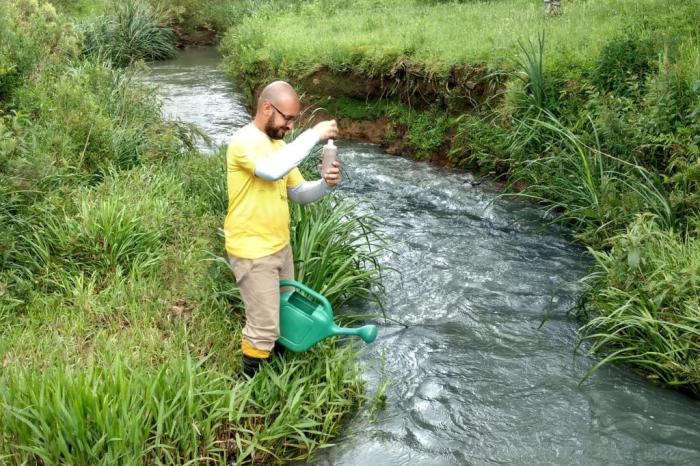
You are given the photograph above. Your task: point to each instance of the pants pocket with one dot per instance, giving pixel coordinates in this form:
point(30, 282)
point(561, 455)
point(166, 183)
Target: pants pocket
point(240, 267)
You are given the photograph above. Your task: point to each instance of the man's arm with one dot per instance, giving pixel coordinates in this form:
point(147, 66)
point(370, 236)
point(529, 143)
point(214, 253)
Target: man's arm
point(308, 191)
point(303, 191)
point(291, 155)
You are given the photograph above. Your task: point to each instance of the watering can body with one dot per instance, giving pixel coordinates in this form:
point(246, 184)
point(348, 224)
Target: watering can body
point(306, 319)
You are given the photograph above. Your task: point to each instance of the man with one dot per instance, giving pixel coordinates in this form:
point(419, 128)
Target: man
point(261, 176)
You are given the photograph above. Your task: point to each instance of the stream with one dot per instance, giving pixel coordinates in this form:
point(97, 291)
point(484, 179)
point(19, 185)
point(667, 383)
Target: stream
point(473, 377)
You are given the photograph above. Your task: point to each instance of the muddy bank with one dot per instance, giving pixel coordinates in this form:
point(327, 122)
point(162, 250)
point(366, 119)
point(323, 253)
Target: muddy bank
point(462, 89)
point(200, 37)
point(390, 135)
point(392, 109)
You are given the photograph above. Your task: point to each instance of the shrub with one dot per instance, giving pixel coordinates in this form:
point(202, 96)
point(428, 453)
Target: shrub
point(667, 121)
point(480, 143)
point(624, 60)
point(592, 191)
point(124, 128)
point(29, 33)
point(426, 130)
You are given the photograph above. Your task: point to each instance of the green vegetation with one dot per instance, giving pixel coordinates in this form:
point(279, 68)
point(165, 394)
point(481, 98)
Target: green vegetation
point(355, 109)
point(425, 131)
point(80, 8)
point(190, 16)
point(373, 37)
point(336, 250)
point(119, 321)
point(179, 412)
point(649, 311)
point(192, 21)
point(131, 31)
point(594, 113)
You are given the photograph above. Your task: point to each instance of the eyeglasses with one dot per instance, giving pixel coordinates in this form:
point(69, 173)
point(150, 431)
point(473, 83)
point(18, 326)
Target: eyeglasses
point(288, 118)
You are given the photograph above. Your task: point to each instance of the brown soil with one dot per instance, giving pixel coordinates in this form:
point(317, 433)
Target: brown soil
point(464, 88)
point(198, 38)
point(390, 136)
point(376, 131)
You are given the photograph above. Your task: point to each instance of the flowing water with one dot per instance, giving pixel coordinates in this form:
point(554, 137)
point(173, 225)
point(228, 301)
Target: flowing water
point(473, 377)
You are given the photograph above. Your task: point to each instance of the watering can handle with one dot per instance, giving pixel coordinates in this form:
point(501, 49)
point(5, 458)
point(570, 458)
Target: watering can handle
point(306, 289)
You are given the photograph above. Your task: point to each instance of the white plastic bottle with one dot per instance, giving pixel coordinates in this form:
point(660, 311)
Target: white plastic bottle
point(330, 152)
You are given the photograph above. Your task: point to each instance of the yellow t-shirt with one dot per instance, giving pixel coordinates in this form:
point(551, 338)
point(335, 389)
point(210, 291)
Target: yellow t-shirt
point(257, 221)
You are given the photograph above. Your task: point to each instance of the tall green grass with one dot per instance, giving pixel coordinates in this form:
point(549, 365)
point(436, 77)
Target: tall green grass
point(624, 203)
point(179, 413)
point(336, 250)
point(104, 237)
point(58, 152)
point(129, 31)
point(532, 67)
point(157, 341)
point(642, 303)
point(595, 193)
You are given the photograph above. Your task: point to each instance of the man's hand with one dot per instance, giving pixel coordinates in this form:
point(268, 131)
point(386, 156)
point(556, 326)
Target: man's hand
point(332, 175)
point(327, 129)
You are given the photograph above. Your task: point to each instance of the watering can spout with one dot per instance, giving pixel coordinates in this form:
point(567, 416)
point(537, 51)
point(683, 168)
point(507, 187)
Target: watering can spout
point(368, 332)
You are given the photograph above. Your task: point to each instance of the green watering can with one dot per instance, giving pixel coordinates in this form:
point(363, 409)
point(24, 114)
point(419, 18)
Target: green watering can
point(303, 323)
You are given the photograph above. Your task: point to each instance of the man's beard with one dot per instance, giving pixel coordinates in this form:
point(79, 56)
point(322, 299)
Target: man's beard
point(272, 132)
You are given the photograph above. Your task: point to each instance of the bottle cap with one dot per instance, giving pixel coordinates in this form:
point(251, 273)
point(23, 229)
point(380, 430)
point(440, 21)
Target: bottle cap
point(330, 143)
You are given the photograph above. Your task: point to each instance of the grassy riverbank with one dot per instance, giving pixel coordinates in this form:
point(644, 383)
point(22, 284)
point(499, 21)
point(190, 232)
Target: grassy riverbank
point(594, 113)
point(119, 321)
point(194, 22)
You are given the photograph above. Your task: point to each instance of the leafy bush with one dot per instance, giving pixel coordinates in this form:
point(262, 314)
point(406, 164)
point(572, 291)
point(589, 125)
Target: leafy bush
point(193, 15)
point(124, 128)
point(667, 120)
point(30, 32)
point(624, 60)
point(480, 144)
point(425, 130)
point(656, 126)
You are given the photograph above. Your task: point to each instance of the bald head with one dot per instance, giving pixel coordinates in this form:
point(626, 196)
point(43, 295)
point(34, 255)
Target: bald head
point(278, 109)
point(278, 92)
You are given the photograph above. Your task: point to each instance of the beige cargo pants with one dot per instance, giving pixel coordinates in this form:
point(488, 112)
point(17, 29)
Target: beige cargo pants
point(258, 280)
